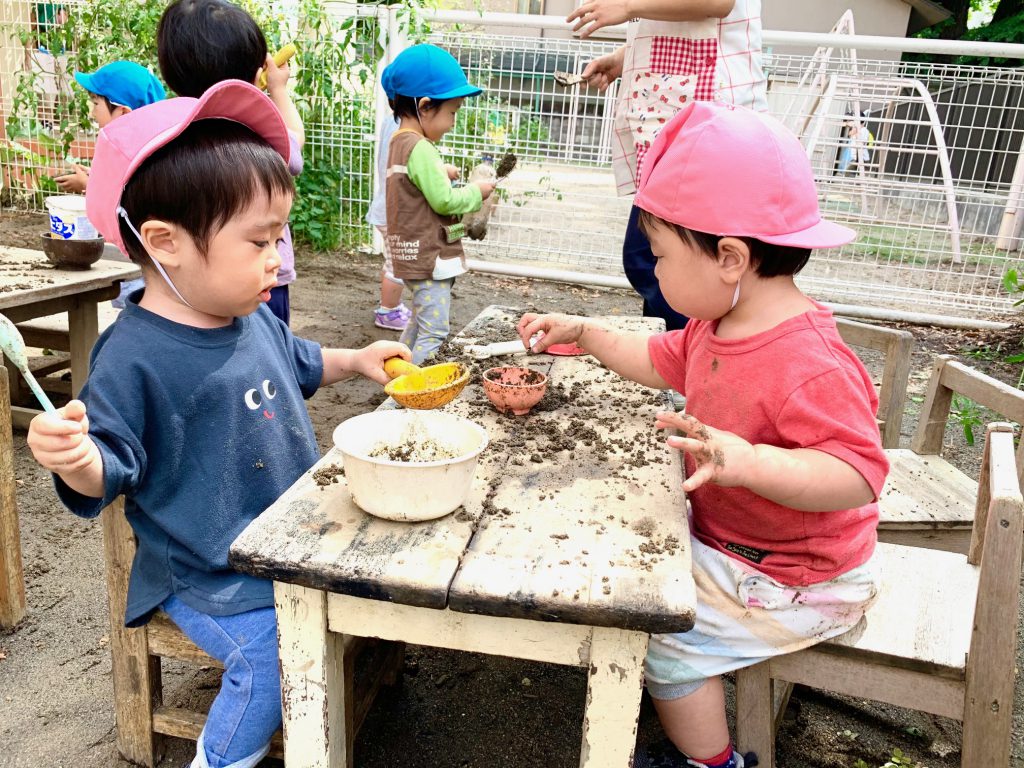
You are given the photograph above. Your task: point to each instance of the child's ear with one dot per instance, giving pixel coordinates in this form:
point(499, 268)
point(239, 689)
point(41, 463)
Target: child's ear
point(119, 111)
point(733, 258)
point(424, 104)
point(163, 242)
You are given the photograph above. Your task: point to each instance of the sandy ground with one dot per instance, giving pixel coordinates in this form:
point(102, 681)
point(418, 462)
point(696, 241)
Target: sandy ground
point(451, 710)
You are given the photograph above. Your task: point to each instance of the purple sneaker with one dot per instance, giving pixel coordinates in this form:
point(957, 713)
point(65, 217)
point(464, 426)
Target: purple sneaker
point(392, 320)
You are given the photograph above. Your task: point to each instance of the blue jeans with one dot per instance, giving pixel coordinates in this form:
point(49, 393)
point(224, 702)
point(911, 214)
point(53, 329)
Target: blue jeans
point(638, 263)
point(247, 710)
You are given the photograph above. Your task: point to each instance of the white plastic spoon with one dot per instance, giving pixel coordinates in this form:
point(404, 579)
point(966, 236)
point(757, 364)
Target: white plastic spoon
point(14, 347)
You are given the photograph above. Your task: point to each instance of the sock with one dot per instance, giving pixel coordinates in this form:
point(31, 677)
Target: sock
point(727, 758)
point(382, 310)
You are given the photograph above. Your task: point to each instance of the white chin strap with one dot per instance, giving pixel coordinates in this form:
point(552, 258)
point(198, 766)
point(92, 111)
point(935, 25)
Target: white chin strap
point(159, 267)
point(735, 296)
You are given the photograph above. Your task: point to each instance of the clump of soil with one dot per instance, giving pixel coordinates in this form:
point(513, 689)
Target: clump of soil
point(507, 165)
point(329, 474)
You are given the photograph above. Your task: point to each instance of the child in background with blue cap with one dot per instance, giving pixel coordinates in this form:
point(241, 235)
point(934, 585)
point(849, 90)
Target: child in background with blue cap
point(426, 87)
point(115, 89)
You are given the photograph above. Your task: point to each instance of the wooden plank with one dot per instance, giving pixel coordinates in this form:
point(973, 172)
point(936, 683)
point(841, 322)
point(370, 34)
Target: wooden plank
point(28, 278)
point(988, 707)
point(869, 680)
point(925, 492)
point(929, 596)
point(187, 724)
point(931, 424)
point(165, 639)
point(316, 536)
point(614, 686)
point(83, 329)
point(518, 638)
point(12, 581)
point(588, 530)
point(755, 730)
point(317, 731)
point(135, 674)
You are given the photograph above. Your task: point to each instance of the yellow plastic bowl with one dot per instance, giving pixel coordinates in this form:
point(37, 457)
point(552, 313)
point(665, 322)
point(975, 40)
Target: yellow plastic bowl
point(426, 388)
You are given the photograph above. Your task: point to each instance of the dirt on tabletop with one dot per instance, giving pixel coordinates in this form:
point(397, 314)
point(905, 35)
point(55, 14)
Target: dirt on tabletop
point(450, 709)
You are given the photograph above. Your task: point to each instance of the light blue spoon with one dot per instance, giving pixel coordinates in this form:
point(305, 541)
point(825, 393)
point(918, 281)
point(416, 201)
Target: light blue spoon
point(14, 347)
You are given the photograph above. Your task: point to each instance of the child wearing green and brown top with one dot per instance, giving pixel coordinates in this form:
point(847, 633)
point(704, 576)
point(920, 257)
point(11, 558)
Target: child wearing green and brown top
point(426, 87)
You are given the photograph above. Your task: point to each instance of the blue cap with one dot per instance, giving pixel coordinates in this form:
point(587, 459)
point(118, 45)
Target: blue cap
point(426, 70)
point(124, 83)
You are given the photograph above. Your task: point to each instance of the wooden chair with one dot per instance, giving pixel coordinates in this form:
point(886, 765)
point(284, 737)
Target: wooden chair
point(937, 640)
point(896, 347)
point(140, 714)
point(927, 502)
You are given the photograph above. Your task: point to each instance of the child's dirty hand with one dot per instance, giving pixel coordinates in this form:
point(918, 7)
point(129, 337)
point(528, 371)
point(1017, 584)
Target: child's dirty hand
point(721, 457)
point(60, 442)
point(486, 188)
point(453, 172)
point(75, 181)
point(369, 361)
point(557, 329)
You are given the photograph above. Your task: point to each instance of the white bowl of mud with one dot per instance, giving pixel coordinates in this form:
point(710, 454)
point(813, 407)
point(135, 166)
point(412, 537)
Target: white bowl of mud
point(409, 465)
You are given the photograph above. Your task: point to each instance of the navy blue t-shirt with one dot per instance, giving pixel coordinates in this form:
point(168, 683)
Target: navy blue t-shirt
point(200, 430)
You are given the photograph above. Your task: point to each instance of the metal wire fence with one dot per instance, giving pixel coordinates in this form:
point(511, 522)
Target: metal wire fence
point(924, 160)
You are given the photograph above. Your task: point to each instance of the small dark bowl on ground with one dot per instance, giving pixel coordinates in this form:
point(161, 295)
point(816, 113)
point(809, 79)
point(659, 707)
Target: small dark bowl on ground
point(72, 254)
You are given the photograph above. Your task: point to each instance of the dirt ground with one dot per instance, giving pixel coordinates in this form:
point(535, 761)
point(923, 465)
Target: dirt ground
point(451, 710)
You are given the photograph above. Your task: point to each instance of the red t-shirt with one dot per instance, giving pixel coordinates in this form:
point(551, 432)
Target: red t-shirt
point(794, 386)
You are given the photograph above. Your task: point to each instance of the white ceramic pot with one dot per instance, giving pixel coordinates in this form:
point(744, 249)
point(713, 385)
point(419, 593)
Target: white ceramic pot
point(409, 490)
point(67, 218)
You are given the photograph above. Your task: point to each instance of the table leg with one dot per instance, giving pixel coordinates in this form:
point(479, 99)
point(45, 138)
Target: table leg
point(613, 698)
point(83, 330)
point(12, 582)
point(313, 680)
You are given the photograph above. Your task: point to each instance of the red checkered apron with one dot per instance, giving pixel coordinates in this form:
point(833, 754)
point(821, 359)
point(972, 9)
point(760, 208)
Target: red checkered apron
point(668, 63)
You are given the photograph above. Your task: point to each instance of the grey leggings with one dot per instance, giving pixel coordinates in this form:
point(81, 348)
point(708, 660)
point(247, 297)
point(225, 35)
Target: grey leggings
point(429, 325)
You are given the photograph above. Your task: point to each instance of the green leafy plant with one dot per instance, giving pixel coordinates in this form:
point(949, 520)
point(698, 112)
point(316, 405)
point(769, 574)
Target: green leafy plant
point(969, 414)
point(896, 760)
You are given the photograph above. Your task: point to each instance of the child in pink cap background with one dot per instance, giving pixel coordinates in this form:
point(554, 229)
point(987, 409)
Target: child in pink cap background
point(194, 407)
point(783, 455)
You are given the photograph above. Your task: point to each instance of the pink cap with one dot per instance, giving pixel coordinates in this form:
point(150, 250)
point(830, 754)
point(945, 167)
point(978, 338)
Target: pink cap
point(127, 141)
point(728, 170)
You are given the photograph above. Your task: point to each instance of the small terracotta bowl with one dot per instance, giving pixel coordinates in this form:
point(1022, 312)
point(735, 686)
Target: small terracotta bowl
point(72, 254)
point(514, 389)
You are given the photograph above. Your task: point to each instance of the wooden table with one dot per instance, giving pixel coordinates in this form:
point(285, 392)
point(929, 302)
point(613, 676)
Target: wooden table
point(30, 287)
point(571, 548)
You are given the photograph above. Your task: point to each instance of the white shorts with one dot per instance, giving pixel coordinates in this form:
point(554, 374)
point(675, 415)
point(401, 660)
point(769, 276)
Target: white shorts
point(745, 617)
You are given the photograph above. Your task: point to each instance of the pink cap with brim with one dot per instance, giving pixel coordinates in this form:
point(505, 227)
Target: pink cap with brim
point(127, 141)
point(728, 170)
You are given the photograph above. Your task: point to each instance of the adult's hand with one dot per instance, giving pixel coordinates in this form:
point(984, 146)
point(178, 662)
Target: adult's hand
point(605, 70)
point(595, 14)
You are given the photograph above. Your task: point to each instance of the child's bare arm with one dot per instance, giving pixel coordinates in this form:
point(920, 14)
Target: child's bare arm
point(60, 443)
point(595, 14)
point(341, 364)
point(624, 353)
point(277, 89)
point(798, 478)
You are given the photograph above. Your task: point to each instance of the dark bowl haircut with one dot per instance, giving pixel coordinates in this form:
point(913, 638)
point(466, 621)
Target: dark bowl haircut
point(201, 180)
point(405, 106)
point(768, 260)
point(202, 42)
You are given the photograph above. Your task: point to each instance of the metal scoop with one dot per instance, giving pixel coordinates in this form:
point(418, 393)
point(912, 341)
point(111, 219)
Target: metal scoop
point(424, 388)
point(14, 347)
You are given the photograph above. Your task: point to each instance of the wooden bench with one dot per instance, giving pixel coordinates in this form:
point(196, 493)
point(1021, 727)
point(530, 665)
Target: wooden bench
point(938, 639)
point(12, 580)
point(927, 502)
point(140, 714)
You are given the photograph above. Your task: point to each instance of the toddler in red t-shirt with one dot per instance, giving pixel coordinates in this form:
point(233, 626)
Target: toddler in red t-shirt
point(783, 455)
